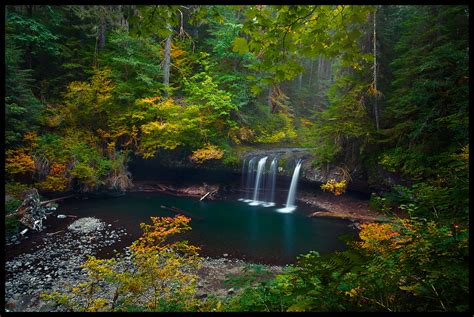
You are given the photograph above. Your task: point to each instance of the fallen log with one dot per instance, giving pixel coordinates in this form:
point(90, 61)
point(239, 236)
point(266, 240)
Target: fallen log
point(152, 190)
point(347, 216)
point(179, 211)
point(56, 199)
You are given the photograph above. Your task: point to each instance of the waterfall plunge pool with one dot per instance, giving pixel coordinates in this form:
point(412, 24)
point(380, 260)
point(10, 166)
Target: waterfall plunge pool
point(252, 233)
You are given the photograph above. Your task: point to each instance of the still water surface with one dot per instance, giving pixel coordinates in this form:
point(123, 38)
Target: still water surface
point(253, 233)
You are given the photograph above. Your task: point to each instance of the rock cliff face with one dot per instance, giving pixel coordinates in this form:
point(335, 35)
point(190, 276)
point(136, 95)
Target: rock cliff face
point(215, 171)
point(287, 158)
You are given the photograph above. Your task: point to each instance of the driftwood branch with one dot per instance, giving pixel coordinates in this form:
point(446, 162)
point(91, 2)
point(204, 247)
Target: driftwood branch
point(205, 196)
point(53, 233)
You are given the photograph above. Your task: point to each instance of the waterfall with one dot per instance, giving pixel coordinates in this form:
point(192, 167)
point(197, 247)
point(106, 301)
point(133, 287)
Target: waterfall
point(270, 194)
point(290, 201)
point(260, 168)
point(242, 182)
point(250, 177)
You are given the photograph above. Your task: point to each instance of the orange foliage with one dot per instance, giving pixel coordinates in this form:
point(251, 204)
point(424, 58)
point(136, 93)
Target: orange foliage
point(305, 122)
point(151, 99)
point(31, 138)
point(381, 238)
point(155, 235)
point(56, 179)
point(18, 162)
point(57, 169)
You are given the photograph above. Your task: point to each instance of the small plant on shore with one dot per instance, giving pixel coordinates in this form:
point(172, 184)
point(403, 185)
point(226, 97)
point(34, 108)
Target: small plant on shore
point(160, 276)
point(337, 188)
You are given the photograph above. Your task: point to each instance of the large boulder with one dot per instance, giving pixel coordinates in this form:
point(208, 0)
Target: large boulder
point(31, 212)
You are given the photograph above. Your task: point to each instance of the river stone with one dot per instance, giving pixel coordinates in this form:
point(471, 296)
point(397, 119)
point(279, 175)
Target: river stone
point(86, 225)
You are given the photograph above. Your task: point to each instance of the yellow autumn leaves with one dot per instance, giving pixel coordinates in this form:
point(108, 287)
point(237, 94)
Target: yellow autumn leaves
point(209, 152)
point(335, 187)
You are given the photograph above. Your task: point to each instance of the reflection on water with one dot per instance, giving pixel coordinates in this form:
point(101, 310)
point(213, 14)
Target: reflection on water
point(256, 234)
point(288, 234)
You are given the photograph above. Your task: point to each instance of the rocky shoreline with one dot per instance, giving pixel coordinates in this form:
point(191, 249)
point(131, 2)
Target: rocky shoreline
point(345, 207)
point(53, 264)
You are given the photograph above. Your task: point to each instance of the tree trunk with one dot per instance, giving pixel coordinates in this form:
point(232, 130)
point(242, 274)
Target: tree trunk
point(330, 71)
point(318, 80)
point(29, 50)
point(123, 13)
point(376, 110)
point(102, 29)
point(167, 63)
point(300, 80)
point(270, 93)
point(310, 74)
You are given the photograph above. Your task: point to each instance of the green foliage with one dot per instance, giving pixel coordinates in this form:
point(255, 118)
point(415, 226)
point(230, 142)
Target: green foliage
point(426, 111)
point(444, 197)
point(11, 205)
point(88, 104)
point(240, 45)
point(12, 223)
point(342, 132)
point(134, 67)
point(409, 265)
point(249, 276)
point(279, 33)
point(30, 32)
point(216, 104)
point(15, 189)
point(169, 125)
point(22, 108)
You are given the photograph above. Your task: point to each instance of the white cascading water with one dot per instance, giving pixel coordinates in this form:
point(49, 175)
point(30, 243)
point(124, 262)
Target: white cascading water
point(290, 201)
point(250, 176)
point(270, 198)
point(242, 182)
point(260, 167)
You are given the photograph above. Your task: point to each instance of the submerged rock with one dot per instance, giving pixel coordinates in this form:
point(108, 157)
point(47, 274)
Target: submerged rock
point(86, 225)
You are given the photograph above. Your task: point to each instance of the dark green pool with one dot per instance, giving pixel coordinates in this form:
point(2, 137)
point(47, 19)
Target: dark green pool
point(252, 233)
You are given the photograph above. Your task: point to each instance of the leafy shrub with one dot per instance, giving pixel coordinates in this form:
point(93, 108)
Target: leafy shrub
point(18, 162)
point(406, 265)
point(161, 276)
point(337, 188)
point(210, 152)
